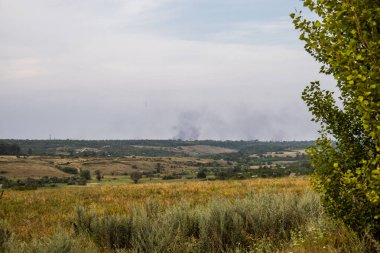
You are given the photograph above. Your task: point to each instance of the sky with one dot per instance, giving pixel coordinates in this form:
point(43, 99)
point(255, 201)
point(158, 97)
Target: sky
point(153, 69)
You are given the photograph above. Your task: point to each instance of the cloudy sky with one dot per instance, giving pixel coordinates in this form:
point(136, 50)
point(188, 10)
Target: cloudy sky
point(131, 69)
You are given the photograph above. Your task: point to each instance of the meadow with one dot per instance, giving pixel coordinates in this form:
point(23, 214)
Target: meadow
point(203, 197)
point(257, 215)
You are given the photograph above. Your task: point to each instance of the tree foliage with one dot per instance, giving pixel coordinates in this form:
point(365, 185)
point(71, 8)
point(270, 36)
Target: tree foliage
point(98, 175)
point(8, 148)
point(86, 174)
point(345, 38)
point(201, 174)
point(135, 176)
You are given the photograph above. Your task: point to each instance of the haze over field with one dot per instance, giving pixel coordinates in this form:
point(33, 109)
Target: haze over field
point(122, 69)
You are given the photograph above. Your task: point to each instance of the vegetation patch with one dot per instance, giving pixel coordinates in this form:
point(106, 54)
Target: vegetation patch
point(68, 169)
point(273, 215)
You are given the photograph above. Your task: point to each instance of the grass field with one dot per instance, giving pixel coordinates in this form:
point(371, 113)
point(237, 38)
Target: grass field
point(13, 167)
point(261, 215)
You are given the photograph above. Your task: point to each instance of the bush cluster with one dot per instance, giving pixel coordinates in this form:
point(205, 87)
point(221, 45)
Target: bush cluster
point(68, 169)
point(32, 183)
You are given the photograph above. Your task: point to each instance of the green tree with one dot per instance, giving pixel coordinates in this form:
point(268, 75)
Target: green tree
point(135, 176)
point(345, 38)
point(201, 174)
point(98, 175)
point(8, 148)
point(85, 174)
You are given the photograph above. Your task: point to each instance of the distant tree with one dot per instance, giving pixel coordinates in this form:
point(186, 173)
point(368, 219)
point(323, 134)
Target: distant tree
point(30, 151)
point(344, 36)
point(7, 148)
point(237, 168)
point(135, 176)
point(158, 168)
point(85, 174)
point(98, 175)
point(201, 174)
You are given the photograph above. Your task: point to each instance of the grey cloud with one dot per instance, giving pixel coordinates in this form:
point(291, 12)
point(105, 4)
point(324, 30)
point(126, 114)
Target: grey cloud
point(96, 70)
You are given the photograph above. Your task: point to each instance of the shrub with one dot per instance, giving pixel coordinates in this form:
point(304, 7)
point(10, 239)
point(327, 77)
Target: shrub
point(201, 174)
point(171, 177)
point(85, 174)
point(98, 175)
point(68, 169)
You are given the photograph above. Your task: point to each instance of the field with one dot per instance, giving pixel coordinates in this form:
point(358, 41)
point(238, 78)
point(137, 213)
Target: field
point(39, 166)
point(13, 167)
point(202, 196)
point(155, 159)
point(260, 215)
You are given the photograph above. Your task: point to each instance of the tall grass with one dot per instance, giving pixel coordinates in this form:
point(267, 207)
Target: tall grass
point(26, 210)
point(221, 225)
point(236, 216)
point(60, 242)
point(5, 235)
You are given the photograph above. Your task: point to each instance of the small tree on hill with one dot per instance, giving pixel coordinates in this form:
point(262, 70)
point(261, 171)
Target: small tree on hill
point(135, 176)
point(98, 175)
point(345, 38)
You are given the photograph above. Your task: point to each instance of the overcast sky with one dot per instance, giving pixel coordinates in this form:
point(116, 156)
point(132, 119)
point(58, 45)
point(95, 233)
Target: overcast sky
point(132, 69)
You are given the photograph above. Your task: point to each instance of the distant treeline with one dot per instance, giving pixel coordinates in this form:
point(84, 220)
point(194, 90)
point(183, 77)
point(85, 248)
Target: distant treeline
point(9, 148)
point(149, 147)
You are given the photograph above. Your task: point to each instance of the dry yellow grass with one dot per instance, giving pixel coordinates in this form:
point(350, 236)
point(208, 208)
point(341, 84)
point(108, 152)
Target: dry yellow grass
point(13, 167)
point(33, 214)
